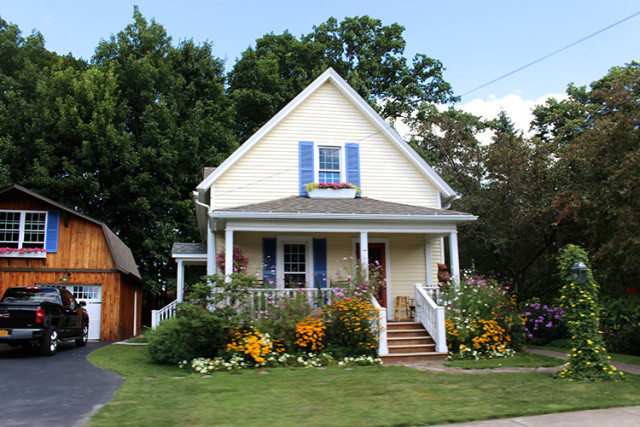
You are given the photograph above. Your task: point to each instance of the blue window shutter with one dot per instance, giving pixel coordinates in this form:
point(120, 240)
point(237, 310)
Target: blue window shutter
point(269, 249)
point(51, 239)
point(352, 155)
point(320, 263)
point(306, 165)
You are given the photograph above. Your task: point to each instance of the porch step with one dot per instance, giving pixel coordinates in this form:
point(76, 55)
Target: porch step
point(407, 358)
point(409, 342)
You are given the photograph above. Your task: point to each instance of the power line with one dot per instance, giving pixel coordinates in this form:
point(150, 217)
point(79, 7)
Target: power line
point(554, 53)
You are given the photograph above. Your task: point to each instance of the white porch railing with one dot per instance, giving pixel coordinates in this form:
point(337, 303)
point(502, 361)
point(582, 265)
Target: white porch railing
point(381, 323)
point(164, 313)
point(431, 316)
point(260, 298)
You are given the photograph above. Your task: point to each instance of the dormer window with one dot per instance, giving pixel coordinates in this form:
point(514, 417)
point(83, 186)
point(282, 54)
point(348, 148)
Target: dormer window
point(329, 164)
point(20, 229)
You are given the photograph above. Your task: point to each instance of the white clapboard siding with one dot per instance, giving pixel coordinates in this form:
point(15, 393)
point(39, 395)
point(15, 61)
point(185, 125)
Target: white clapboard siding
point(270, 169)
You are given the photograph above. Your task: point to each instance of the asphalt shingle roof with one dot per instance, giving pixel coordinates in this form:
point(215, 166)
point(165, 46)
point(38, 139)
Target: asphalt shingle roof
point(189, 249)
point(356, 206)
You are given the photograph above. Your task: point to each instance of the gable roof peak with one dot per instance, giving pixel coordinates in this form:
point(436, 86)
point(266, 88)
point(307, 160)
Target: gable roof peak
point(446, 192)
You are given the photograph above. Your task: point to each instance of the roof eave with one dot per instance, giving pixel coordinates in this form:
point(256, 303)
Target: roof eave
point(340, 216)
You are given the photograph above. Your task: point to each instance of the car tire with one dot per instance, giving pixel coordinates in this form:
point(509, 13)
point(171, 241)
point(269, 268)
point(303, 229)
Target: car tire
point(81, 342)
point(49, 343)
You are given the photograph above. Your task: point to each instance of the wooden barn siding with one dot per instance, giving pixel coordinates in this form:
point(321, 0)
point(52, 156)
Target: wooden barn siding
point(270, 169)
point(81, 246)
point(128, 291)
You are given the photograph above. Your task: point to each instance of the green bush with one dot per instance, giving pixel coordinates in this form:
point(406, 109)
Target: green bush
point(620, 324)
point(197, 331)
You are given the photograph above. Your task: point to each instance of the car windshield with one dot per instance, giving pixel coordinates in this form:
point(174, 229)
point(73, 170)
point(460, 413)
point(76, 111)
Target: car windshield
point(35, 295)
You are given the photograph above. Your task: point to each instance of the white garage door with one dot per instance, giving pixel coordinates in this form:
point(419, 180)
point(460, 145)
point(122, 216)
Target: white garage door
point(92, 295)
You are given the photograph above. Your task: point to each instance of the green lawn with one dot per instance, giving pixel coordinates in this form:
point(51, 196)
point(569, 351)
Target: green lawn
point(616, 357)
point(521, 359)
point(168, 396)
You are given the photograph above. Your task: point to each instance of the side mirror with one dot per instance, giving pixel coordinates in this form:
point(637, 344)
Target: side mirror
point(82, 304)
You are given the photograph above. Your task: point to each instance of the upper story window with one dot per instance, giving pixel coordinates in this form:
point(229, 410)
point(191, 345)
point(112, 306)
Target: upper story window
point(329, 164)
point(22, 229)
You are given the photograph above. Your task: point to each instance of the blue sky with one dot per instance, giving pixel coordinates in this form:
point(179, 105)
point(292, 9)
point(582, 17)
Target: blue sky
point(477, 41)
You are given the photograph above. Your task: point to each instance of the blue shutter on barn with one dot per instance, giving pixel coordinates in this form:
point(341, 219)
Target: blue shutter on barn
point(320, 263)
point(51, 238)
point(352, 155)
point(306, 165)
point(269, 262)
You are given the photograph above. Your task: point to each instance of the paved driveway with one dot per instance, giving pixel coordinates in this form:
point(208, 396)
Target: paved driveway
point(62, 390)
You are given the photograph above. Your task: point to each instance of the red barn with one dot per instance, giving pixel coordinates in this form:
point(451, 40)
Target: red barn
point(45, 243)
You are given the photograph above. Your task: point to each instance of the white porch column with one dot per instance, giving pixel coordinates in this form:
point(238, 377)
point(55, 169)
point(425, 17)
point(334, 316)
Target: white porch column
point(180, 281)
point(428, 262)
point(228, 254)
point(454, 261)
point(211, 251)
point(364, 252)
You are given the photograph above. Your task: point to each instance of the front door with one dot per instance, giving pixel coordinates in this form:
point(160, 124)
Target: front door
point(378, 267)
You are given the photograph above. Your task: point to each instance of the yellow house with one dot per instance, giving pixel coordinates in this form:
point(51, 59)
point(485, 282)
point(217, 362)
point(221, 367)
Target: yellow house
point(257, 199)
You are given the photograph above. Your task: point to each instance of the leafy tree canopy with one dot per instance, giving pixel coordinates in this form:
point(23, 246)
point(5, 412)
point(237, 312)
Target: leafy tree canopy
point(368, 55)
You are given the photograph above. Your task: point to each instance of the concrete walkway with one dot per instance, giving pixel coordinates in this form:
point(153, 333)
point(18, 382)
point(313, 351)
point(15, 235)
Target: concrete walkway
point(616, 417)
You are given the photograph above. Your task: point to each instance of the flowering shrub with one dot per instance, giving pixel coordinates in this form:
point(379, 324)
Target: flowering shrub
point(280, 316)
point(310, 333)
point(588, 359)
point(351, 329)
point(482, 320)
point(543, 322)
point(251, 344)
point(331, 185)
point(21, 250)
point(240, 261)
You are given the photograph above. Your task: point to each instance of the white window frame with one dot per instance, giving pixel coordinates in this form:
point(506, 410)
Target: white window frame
point(296, 240)
point(22, 230)
point(316, 160)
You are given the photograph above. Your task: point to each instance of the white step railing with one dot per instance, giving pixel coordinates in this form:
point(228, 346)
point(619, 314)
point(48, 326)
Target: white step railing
point(381, 323)
point(164, 313)
point(431, 316)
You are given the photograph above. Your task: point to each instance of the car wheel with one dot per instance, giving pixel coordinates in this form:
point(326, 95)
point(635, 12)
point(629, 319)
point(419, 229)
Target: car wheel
point(81, 342)
point(49, 343)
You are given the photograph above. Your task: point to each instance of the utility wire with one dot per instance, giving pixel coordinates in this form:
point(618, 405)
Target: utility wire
point(554, 53)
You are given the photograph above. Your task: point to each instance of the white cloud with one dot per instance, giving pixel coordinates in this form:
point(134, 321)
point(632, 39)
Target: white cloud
point(519, 110)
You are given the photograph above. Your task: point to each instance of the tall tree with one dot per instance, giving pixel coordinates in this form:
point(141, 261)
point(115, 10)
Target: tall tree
point(506, 182)
point(123, 139)
point(363, 51)
point(598, 169)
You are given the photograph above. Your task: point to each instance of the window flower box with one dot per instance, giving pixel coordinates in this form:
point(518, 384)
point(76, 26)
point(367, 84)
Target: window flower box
point(23, 253)
point(328, 190)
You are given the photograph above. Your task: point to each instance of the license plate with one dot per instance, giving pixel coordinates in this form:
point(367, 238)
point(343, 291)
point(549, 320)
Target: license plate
point(4, 332)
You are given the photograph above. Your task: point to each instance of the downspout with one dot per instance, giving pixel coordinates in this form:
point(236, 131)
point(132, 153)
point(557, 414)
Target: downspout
point(211, 242)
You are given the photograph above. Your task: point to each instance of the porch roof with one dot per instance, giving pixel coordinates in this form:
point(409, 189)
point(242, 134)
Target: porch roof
point(362, 207)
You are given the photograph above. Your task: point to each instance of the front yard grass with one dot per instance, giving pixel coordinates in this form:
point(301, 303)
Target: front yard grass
point(521, 359)
point(616, 357)
point(371, 395)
